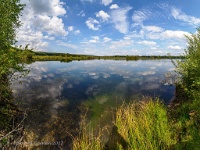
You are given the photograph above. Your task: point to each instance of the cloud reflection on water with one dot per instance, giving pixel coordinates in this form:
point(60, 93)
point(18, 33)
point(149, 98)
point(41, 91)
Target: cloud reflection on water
point(54, 89)
point(78, 72)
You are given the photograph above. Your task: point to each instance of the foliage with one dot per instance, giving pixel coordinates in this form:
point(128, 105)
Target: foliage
point(189, 68)
point(9, 21)
point(186, 111)
point(10, 63)
point(144, 125)
point(185, 115)
point(9, 59)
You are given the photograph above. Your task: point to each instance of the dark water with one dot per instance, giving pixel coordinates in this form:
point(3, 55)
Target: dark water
point(57, 95)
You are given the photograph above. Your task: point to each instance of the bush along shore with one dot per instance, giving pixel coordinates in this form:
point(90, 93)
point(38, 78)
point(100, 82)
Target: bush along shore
point(150, 125)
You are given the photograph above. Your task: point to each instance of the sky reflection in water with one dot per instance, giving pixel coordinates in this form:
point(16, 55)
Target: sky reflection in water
point(89, 78)
point(54, 90)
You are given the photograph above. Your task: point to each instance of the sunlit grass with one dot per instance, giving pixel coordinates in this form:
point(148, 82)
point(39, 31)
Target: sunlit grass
point(137, 126)
point(144, 125)
point(88, 138)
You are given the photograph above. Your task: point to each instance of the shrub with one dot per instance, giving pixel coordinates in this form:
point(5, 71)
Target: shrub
point(189, 68)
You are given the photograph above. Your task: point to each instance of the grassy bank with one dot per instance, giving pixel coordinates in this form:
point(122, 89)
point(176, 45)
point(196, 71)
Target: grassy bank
point(137, 126)
point(146, 125)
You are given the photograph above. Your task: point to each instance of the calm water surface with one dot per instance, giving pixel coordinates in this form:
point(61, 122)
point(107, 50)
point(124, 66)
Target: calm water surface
point(57, 95)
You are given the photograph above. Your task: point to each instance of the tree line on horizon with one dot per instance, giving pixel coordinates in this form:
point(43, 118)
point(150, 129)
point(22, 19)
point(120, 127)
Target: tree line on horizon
point(30, 55)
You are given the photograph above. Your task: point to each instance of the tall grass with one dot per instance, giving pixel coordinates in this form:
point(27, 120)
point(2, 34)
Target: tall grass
point(88, 139)
point(144, 125)
point(137, 126)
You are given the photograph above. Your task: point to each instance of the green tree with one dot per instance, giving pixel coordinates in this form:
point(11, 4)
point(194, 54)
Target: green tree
point(189, 68)
point(10, 10)
point(9, 21)
point(187, 112)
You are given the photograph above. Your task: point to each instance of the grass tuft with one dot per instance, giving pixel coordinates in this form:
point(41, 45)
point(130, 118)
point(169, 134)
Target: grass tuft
point(88, 139)
point(144, 125)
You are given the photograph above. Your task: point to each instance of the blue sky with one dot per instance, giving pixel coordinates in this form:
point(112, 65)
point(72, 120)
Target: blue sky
point(109, 27)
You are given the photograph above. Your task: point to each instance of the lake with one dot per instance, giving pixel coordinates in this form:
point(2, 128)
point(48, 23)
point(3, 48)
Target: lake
point(57, 96)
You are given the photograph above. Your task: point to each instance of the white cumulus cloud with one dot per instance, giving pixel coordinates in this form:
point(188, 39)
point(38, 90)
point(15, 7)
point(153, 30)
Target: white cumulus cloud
point(114, 6)
point(106, 2)
point(33, 38)
point(51, 25)
point(41, 21)
point(103, 15)
point(70, 28)
point(50, 7)
point(92, 24)
point(171, 34)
